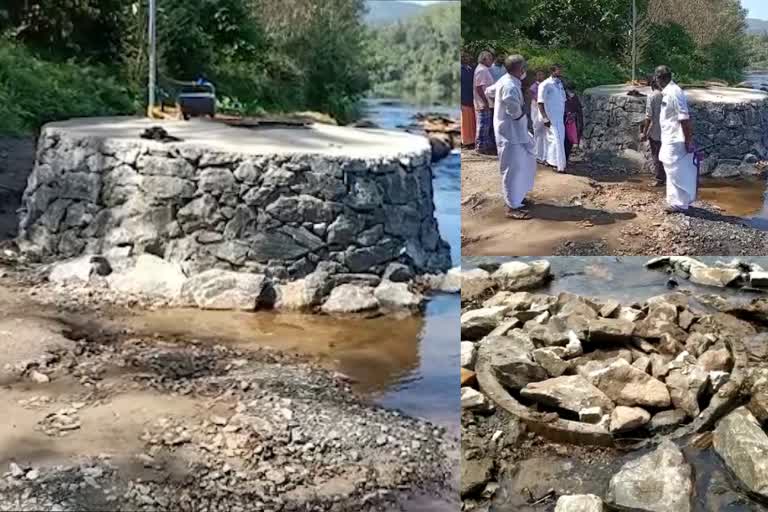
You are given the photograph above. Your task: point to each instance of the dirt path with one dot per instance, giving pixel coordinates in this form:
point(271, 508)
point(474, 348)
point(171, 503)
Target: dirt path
point(600, 212)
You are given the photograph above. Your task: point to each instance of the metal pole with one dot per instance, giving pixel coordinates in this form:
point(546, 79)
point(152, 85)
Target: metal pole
point(152, 54)
point(634, 39)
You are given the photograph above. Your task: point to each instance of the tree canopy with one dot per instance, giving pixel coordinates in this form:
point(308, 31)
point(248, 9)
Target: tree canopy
point(700, 39)
point(417, 58)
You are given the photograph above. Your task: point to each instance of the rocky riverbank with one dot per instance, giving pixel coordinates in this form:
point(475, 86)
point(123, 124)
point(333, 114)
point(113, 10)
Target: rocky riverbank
point(107, 418)
point(592, 396)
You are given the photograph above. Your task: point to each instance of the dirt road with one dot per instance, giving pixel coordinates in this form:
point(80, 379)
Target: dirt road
point(591, 211)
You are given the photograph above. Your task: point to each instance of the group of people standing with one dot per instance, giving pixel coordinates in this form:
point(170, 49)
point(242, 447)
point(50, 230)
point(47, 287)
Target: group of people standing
point(551, 118)
point(552, 106)
point(541, 123)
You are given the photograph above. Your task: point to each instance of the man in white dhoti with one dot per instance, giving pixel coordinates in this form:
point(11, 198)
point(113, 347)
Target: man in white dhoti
point(517, 162)
point(537, 122)
point(552, 109)
point(677, 148)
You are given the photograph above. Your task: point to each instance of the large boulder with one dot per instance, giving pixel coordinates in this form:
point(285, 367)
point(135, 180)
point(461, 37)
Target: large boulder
point(579, 503)
point(625, 384)
point(225, 289)
point(475, 283)
point(686, 387)
point(624, 419)
point(479, 322)
point(511, 361)
point(517, 275)
point(306, 293)
point(715, 276)
point(572, 393)
point(657, 482)
point(149, 276)
point(350, 299)
point(396, 297)
point(743, 446)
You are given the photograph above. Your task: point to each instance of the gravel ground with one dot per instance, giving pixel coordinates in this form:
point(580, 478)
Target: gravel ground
point(276, 432)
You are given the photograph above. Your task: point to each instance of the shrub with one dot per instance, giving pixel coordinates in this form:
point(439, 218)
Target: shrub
point(34, 92)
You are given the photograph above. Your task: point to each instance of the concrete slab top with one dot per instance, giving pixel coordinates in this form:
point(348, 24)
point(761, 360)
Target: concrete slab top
point(712, 94)
point(318, 138)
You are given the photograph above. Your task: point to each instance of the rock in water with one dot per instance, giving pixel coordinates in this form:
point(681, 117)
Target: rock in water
point(657, 482)
point(350, 298)
point(516, 275)
point(579, 503)
point(396, 297)
point(572, 393)
point(713, 276)
point(743, 446)
point(224, 289)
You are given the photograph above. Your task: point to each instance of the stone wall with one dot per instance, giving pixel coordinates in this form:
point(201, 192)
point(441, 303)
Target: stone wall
point(733, 122)
point(277, 214)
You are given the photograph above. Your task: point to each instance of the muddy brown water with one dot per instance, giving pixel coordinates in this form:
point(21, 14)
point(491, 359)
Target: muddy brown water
point(740, 197)
point(627, 280)
point(409, 364)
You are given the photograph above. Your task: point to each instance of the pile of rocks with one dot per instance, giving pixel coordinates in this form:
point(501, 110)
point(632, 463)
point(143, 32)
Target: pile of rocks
point(734, 274)
point(621, 367)
point(151, 280)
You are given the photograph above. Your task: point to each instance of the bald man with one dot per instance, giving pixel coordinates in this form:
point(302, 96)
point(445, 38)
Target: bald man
point(517, 161)
point(677, 148)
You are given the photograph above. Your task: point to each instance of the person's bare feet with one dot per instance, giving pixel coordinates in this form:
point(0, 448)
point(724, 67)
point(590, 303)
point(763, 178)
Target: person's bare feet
point(518, 214)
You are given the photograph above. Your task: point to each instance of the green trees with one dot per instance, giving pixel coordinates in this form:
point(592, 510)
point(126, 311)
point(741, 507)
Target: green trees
point(700, 39)
point(261, 54)
point(418, 59)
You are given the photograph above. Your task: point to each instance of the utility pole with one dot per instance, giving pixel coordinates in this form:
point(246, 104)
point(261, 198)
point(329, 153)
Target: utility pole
point(152, 54)
point(634, 39)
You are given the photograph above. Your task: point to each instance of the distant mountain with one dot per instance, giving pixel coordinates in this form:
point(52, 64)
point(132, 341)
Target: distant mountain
point(755, 26)
point(390, 11)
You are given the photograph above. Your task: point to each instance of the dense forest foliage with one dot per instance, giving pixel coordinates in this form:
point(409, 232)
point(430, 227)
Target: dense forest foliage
point(699, 39)
point(60, 58)
point(417, 58)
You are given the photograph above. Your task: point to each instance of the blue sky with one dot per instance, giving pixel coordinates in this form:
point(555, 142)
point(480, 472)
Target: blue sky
point(757, 8)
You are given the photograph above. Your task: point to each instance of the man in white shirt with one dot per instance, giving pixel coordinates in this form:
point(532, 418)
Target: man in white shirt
point(677, 148)
point(517, 162)
point(484, 142)
point(552, 109)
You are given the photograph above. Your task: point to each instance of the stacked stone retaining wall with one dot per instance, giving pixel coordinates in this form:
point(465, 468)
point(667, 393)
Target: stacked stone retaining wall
point(277, 214)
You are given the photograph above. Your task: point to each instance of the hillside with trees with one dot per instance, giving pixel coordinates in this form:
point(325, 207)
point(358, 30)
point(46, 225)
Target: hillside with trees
point(700, 39)
point(64, 58)
point(417, 59)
